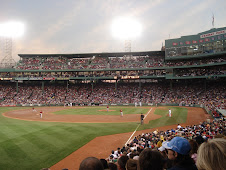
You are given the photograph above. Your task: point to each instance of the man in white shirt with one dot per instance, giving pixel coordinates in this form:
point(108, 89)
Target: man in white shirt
point(178, 126)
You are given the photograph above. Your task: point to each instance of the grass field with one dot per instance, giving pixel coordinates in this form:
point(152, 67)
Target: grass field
point(34, 145)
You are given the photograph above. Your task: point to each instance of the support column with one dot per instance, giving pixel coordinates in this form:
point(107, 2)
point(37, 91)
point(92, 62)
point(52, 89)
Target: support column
point(171, 84)
point(17, 86)
point(116, 85)
point(92, 86)
point(139, 86)
point(67, 86)
point(43, 87)
point(205, 85)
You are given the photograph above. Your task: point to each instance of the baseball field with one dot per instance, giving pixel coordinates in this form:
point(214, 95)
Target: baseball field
point(66, 135)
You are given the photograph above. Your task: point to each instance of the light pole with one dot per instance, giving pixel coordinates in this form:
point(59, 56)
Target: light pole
point(7, 61)
point(126, 28)
point(8, 31)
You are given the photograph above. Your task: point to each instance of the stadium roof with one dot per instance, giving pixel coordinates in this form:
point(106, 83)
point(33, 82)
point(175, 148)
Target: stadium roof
point(104, 54)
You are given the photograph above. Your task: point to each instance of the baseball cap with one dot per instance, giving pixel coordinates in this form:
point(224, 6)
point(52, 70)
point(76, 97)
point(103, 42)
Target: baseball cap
point(178, 144)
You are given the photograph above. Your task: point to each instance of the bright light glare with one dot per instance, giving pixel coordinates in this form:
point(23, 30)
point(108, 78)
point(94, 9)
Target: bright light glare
point(11, 29)
point(126, 28)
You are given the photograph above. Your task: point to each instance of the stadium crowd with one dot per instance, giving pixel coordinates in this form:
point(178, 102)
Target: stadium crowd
point(220, 70)
point(212, 96)
point(196, 62)
point(66, 74)
point(152, 150)
point(195, 147)
point(56, 63)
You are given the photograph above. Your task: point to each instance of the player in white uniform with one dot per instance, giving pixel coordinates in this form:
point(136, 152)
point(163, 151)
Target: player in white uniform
point(40, 114)
point(170, 114)
point(121, 113)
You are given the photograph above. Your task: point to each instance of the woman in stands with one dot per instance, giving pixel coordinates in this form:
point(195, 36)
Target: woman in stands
point(212, 155)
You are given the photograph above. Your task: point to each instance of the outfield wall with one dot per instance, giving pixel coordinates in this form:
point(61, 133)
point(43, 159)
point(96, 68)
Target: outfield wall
point(112, 104)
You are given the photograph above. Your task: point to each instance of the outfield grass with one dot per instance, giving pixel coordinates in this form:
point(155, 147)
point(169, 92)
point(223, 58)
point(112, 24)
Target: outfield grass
point(179, 115)
point(34, 145)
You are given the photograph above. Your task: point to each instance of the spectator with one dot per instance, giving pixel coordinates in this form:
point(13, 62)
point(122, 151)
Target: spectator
point(194, 149)
point(122, 162)
point(178, 151)
point(150, 160)
point(91, 163)
point(199, 139)
point(131, 164)
point(112, 166)
point(167, 162)
point(212, 155)
point(104, 162)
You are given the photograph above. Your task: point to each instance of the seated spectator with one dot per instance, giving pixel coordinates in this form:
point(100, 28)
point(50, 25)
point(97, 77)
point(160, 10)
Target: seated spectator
point(122, 162)
point(167, 162)
point(194, 149)
point(212, 155)
point(104, 162)
point(112, 166)
point(178, 151)
point(150, 159)
point(199, 139)
point(91, 163)
point(131, 164)
point(111, 159)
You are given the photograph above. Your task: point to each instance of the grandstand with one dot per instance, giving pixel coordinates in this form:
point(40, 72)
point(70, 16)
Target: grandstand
point(196, 59)
point(190, 72)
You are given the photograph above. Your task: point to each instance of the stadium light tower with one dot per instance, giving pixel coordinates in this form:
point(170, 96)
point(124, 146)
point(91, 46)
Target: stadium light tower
point(8, 31)
point(126, 28)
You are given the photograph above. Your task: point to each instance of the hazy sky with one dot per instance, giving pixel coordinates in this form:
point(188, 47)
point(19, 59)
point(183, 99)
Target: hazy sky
point(84, 26)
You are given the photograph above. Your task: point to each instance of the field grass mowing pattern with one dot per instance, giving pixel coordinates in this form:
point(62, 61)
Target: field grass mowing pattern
point(34, 145)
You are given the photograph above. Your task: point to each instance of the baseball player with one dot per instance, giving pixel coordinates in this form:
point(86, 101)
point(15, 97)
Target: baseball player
point(141, 119)
point(40, 114)
point(121, 113)
point(170, 114)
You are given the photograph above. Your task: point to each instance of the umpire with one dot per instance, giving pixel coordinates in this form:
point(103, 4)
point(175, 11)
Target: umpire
point(141, 118)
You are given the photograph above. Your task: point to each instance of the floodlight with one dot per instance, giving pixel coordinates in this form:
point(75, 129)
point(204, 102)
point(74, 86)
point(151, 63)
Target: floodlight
point(125, 28)
point(11, 29)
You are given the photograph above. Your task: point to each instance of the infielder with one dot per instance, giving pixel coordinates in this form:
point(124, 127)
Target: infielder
point(40, 114)
point(170, 113)
point(121, 112)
